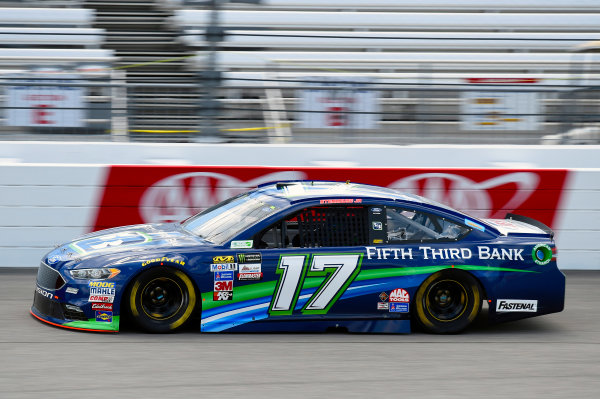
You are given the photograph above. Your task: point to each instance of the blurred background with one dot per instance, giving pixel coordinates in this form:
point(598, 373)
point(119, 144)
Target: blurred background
point(116, 112)
point(301, 71)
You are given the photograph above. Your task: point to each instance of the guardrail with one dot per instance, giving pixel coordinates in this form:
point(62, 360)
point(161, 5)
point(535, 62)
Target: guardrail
point(63, 193)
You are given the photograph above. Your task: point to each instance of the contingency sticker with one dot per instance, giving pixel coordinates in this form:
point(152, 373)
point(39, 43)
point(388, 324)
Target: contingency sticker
point(399, 295)
point(398, 307)
point(242, 244)
point(102, 291)
point(104, 316)
point(223, 286)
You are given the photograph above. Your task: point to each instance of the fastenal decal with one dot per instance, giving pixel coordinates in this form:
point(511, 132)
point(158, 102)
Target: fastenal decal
point(516, 305)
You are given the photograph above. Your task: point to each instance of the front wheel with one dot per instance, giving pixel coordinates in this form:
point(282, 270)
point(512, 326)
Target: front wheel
point(162, 300)
point(447, 302)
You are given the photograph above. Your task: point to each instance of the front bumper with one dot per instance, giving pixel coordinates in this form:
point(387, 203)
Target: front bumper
point(55, 305)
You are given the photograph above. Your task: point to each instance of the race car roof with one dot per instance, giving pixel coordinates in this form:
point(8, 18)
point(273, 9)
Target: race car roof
point(296, 191)
point(314, 189)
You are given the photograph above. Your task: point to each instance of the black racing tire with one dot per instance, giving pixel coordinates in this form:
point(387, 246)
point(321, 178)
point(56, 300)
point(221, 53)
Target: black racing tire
point(161, 300)
point(447, 302)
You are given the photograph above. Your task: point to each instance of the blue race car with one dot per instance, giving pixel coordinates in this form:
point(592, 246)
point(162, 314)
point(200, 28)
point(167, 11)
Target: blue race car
point(305, 256)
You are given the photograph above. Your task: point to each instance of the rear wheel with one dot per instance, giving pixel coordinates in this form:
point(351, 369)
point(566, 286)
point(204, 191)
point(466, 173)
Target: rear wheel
point(162, 300)
point(447, 302)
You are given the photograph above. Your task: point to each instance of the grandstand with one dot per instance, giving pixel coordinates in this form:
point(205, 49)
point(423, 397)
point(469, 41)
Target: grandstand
point(424, 60)
point(53, 46)
point(412, 46)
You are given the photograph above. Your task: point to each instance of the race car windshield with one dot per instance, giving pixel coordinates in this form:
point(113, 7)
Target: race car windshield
point(225, 220)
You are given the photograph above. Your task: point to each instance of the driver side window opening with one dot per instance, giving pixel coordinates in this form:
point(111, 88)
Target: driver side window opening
point(410, 225)
point(317, 227)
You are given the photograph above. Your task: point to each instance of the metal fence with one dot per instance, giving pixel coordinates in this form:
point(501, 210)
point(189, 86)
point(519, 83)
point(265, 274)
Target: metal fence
point(298, 110)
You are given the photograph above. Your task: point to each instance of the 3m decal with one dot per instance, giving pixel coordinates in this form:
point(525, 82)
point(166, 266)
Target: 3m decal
point(541, 254)
point(516, 305)
point(399, 295)
point(223, 285)
point(339, 270)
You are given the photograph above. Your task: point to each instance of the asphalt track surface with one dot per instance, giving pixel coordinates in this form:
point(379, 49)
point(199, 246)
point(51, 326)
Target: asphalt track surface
point(553, 356)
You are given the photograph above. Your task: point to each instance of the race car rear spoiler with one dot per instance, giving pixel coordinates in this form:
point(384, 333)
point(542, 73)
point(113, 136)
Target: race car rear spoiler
point(533, 222)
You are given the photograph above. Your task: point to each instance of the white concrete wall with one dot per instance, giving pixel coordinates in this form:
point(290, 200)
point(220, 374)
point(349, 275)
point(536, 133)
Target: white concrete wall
point(50, 192)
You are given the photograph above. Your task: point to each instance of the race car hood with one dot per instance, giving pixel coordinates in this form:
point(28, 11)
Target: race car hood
point(509, 226)
point(137, 238)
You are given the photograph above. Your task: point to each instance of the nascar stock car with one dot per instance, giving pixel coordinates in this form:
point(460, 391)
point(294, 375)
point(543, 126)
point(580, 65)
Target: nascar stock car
point(305, 256)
